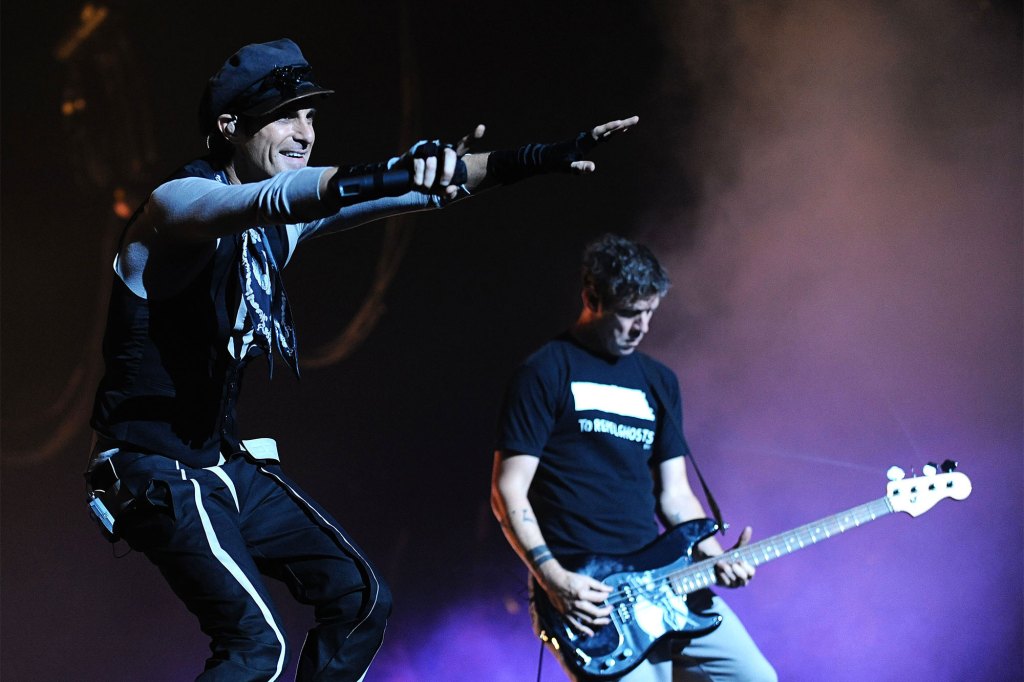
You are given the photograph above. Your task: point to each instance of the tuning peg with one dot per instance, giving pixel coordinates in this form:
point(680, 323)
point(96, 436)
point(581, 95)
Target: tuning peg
point(895, 473)
point(949, 465)
point(930, 469)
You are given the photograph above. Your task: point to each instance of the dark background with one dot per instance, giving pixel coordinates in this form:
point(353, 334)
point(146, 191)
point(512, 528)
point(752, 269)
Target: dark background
point(836, 191)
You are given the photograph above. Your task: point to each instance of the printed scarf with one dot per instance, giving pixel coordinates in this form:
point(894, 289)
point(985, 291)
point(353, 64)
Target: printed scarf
point(265, 300)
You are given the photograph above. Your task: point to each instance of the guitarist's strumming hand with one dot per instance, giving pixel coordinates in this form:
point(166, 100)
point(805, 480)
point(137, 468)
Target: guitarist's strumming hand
point(736, 573)
point(579, 598)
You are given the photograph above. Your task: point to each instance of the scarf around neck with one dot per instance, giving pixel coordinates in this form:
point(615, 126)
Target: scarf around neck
point(266, 303)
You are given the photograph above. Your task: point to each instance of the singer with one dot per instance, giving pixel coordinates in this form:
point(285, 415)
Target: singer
point(198, 293)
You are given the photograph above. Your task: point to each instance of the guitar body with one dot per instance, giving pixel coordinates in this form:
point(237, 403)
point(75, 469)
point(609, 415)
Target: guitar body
point(645, 608)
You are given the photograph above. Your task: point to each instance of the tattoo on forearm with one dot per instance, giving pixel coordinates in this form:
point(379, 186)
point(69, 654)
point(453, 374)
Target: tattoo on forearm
point(539, 554)
point(526, 515)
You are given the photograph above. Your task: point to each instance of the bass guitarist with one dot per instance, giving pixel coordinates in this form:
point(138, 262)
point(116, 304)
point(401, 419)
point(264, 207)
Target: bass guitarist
point(587, 457)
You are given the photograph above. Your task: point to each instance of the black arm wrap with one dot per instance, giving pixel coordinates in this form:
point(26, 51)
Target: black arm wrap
point(363, 168)
point(510, 165)
point(361, 182)
point(364, 182)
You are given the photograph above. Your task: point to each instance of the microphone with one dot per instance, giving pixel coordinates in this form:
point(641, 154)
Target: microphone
point(363, 186)
point(362, 183)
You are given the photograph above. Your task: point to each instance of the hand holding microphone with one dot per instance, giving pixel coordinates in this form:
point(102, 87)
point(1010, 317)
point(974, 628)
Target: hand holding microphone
point(415, 170)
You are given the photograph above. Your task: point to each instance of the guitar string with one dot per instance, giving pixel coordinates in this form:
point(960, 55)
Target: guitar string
point(811, 532)
point(861, 514)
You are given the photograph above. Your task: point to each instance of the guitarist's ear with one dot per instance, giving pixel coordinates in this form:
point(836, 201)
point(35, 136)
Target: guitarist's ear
point(591, 300)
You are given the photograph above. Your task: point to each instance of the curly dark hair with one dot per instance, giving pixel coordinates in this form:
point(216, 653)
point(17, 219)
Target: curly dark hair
point(619, 270)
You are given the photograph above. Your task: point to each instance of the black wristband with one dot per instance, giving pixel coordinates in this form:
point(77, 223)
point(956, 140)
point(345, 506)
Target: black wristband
point(513, 165)
point(539, 555)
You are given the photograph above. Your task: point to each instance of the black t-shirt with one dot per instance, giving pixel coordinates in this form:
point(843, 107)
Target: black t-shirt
point(598, 428)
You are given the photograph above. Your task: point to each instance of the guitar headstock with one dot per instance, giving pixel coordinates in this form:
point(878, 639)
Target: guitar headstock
point(917, 495)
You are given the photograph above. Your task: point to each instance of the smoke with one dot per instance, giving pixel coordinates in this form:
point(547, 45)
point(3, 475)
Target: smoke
point(847, 272)
point(859, 180)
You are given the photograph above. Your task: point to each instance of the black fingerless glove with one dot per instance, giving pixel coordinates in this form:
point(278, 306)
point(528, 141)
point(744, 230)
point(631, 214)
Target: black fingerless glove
point(427, 149)
point(510, 165)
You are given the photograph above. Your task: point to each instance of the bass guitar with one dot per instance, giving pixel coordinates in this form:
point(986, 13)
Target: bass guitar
point(650, 587)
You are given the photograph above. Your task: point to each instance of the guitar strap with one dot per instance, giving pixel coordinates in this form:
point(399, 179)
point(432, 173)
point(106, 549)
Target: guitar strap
point(656, 388)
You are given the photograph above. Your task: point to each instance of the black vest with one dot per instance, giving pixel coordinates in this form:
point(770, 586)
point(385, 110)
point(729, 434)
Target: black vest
point(170, 385)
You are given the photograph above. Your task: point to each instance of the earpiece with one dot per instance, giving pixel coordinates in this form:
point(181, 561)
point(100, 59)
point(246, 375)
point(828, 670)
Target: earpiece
point(227, 126)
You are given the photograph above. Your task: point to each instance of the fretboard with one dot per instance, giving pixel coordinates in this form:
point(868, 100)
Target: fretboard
point(702, 574)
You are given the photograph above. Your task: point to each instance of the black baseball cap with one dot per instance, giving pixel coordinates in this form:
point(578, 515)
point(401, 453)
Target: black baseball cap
point(257, 80)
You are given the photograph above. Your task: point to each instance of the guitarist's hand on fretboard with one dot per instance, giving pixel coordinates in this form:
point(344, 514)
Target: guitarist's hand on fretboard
point(735, 573)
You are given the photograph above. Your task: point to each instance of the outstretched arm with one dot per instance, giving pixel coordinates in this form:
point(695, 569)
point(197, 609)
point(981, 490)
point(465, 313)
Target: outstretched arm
point(443, 173)
point(569, 156)
point(195, 210)
point(578, 597)
point(677, 503)
point(176, 232)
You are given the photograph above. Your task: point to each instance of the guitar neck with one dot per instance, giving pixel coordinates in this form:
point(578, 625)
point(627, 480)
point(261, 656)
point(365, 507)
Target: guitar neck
point(702, 574)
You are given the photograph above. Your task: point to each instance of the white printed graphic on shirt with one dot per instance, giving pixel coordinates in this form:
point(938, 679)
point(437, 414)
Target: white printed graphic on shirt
point(626, 402)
